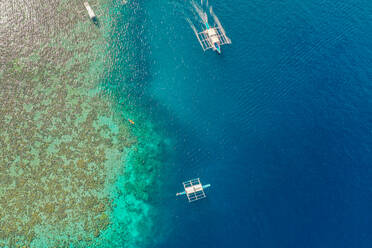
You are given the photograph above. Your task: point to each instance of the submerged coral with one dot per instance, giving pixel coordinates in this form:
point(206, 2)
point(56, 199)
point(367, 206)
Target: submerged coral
point(71, 170)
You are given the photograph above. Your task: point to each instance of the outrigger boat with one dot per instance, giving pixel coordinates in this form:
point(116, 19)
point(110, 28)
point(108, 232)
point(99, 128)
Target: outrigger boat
point(212, 37)
point(194, 190)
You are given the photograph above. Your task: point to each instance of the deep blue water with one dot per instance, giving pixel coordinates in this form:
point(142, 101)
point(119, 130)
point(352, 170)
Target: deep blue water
point(280, 124)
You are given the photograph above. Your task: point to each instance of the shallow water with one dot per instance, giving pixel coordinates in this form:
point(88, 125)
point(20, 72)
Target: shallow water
point(74, 171)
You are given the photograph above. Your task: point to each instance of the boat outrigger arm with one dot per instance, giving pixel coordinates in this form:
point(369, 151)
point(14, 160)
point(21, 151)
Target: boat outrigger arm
point(194, 190)
point(213, 37)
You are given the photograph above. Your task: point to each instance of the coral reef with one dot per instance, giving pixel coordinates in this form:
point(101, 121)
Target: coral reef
point(72, 173)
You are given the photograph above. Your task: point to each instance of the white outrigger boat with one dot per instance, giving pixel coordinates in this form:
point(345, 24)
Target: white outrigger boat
point(194, 190)
point(212, 37)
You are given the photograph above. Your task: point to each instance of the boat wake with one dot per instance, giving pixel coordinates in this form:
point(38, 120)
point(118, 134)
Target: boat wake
point(198, 10)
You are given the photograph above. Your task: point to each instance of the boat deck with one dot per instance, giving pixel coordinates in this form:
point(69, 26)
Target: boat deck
point(212, 35)
point(194, 190)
